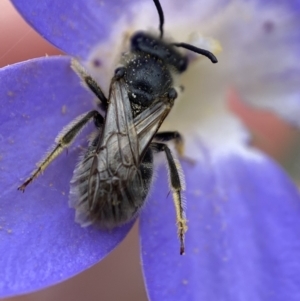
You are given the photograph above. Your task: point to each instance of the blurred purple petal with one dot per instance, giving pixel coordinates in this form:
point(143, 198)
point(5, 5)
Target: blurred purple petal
point(243, 237)
point(75, 26)
point(261, 46)
point(40, 244)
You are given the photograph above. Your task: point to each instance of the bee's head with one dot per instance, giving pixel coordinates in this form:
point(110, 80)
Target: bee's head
point(147, 44)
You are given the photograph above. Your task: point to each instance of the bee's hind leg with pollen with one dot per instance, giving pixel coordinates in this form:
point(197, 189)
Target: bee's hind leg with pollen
point(62, 141)
point(177, 186)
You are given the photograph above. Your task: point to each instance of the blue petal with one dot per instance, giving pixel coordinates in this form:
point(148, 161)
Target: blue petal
point(243, 241)
point(40, 244)
point(75, 26)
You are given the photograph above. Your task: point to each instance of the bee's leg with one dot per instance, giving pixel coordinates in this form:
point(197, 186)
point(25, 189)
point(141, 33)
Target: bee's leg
point(172, 136)
point(90, 83)
point(63, 140)
point(177, 186)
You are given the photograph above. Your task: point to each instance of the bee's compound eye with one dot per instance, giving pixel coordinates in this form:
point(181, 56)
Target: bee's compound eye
point(139, 41)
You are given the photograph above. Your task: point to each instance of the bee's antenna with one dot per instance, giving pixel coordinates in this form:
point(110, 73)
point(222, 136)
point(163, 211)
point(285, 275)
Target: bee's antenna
point(161, 17)
point(204, 52)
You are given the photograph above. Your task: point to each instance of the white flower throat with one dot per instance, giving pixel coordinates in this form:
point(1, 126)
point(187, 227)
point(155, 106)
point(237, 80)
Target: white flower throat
point(200, 113)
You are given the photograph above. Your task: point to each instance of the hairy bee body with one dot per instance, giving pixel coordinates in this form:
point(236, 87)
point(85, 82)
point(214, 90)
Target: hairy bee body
point(113, 178)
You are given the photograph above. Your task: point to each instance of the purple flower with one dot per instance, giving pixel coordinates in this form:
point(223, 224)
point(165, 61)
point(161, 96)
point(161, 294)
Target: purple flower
point(243, 241)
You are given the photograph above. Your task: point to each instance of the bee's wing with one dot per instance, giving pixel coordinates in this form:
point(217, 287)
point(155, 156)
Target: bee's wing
point(119, 135)
point(116, 161)
point(102, 175)
point(149, 121)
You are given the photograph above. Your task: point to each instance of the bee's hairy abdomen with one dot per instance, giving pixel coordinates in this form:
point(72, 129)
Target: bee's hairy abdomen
point(115, 201)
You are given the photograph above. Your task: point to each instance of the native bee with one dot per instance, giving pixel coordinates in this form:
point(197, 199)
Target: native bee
point(112, 179)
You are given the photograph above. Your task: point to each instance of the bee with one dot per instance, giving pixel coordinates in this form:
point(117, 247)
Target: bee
point(112, 179)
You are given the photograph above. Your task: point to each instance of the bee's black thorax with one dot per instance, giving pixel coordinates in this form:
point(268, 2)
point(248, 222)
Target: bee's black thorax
point(149, 70)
